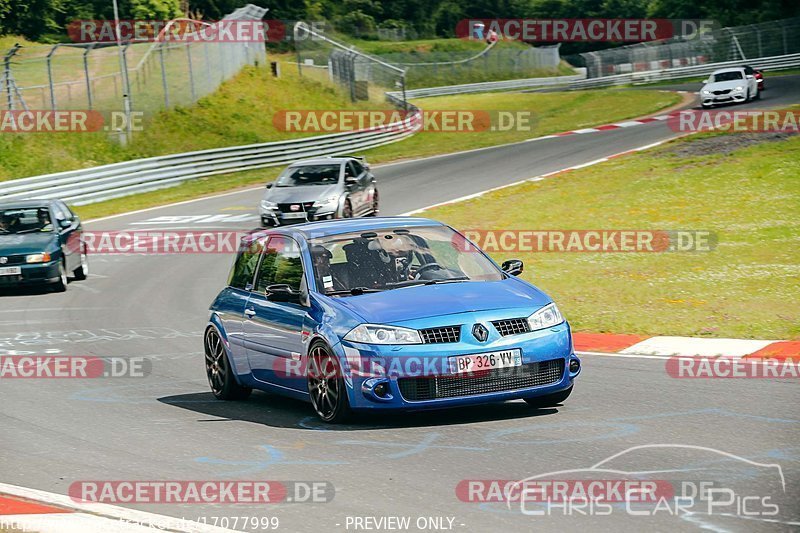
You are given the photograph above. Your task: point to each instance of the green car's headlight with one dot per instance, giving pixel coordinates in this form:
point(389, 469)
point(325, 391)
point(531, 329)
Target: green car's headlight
point(377, 334)
point(546, 317)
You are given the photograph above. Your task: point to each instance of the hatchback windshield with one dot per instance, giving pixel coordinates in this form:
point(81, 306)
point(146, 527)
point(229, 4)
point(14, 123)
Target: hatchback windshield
point(727, 76)
point(353, 263)
point(309, 175)
point(25, 220)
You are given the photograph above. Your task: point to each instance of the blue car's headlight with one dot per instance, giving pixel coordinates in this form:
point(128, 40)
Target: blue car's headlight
point(546, 317)
point(376, 334)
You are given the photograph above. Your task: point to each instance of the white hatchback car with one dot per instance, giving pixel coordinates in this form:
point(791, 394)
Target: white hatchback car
point(730, 85)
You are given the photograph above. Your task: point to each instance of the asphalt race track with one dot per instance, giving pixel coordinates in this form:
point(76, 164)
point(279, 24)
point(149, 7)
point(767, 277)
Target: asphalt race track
point(167, 426)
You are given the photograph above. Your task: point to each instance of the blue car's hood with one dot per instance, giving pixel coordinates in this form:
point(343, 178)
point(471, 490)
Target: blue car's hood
point(433, 300)
point(26, 243)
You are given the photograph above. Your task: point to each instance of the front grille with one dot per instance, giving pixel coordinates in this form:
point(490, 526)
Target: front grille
point(726, 91)
point(12, 260)
point(287, 208)
point(441, 335)
point(512, 326)
point(496, 380)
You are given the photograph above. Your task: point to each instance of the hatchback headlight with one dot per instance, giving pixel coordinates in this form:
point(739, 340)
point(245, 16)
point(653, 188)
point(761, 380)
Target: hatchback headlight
point(267, 205)
point(376, 334)
point(706, 91)
point(739, 88)
point(38, 258)
point(546, 317)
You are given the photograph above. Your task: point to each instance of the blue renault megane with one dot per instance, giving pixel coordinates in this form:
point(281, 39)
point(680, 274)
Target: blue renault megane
point(383, 313)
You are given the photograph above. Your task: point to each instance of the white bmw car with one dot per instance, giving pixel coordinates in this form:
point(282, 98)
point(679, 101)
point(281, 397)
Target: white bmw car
point(730, 85)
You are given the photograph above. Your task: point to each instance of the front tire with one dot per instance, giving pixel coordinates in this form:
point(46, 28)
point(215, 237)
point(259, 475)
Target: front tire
point(347, 210)
point(549, 400)
point(375, 203)
point(82, 272)
point(219, 372)
point(326, 386)
point(62, 283)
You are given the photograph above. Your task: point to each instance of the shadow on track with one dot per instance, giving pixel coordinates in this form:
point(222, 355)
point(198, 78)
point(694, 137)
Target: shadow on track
point(280, 412)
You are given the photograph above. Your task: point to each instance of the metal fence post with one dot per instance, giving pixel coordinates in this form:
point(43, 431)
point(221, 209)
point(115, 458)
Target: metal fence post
point(191, 71)
point(50, 76)
point(163, 75)
point(86, 74)
point(7, 75)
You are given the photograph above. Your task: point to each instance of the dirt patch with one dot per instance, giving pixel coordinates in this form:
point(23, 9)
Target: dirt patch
point(723, 144)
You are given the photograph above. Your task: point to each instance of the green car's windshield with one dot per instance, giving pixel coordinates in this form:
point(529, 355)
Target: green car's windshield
point(355, 263)
point(25, 220)
point(309, 175)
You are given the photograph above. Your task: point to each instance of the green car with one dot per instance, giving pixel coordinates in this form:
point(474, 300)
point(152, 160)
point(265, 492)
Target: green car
point(40, 243)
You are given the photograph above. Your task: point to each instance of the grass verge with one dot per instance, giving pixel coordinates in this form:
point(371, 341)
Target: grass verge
point(240, 112)
point(736, 185)
point(551, 113)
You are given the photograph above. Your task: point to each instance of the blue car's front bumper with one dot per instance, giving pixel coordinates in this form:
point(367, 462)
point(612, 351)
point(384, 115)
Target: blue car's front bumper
point(418, 377)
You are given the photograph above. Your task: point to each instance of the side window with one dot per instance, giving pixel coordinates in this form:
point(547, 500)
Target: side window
point(281, 264)
point(68, 214)
point(349, 171)
point(357, 168)
point(245, 265)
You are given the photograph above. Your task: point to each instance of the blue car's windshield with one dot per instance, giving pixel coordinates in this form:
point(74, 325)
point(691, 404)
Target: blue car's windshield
point(25, 220)
point(309, 175)
point(397, 258)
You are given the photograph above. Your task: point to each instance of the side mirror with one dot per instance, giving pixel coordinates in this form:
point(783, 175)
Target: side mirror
point(706, 81)
point(512, 267)
point(270, 184)
point(350, 179)
point(64, 224)
point(282, 293)
point(750, 76)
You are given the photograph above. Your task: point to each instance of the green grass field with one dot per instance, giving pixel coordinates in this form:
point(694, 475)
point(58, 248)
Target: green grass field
point(240, 112)
point(748, 194)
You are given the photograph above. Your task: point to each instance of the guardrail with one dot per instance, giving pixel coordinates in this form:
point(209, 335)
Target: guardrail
point(106, 182)
point(767, 63)
point(487, 86)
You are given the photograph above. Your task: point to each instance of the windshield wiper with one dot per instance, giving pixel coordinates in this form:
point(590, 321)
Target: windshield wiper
point(418, 282)
point(355, 291)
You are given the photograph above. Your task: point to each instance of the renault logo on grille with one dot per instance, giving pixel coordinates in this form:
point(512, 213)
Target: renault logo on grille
point(480, 332)
point(295, 207)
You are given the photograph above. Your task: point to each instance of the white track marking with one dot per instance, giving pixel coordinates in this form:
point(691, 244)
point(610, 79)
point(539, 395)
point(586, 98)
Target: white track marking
point(689, 346)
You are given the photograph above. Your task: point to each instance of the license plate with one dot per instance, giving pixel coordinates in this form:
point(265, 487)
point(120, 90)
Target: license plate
point(10, 271)
point(294, 215)
point(460, 364)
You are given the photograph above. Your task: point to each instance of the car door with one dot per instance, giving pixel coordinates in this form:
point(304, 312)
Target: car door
point(358, 188)
point(273, 329)
point(231, 302)
point(69, 235)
